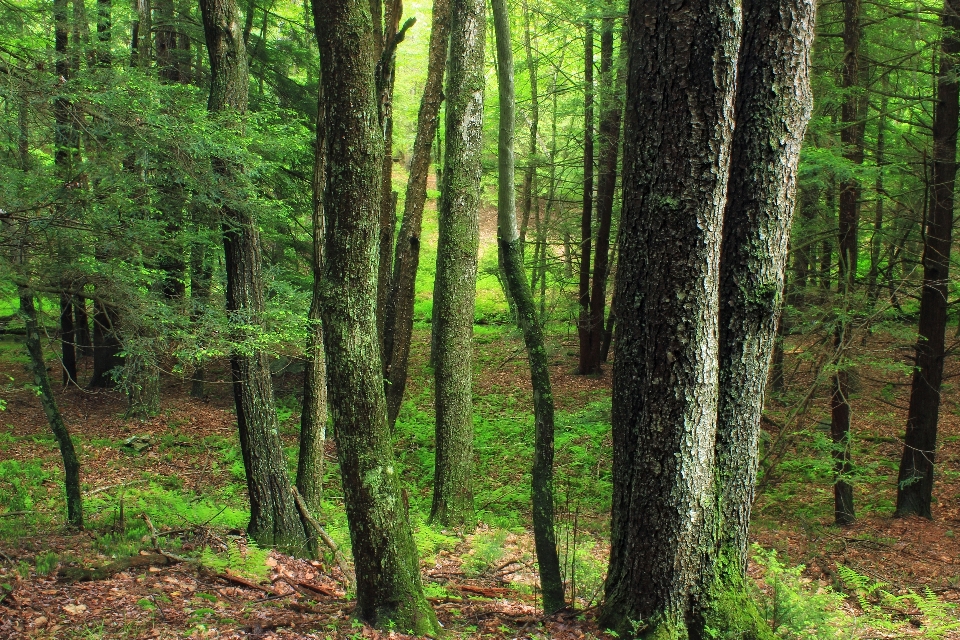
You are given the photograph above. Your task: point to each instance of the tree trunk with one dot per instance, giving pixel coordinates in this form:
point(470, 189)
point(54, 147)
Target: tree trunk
point(545, 542)
point(851, 136)
point(457, 245)
point(586, 366)
point(81, 326)
point(313, 416)
point(389, 589)
point(876, 238)
point(68, 340)
point(106, 345)
point(678, 130)
point(773, 106)
point(71, 466)
point(915, 480)
point(530, 173)
point(399, 315)
point(104, 17)
point(274, 519)
point(201, 276)
point(610, 109)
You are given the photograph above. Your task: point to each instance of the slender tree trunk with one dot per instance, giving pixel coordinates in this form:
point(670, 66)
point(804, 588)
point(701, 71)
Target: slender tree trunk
point(71, 466)
point(201, 276)
point(586, 366)
point(915, 480)
point(459, 237)
point(851, 135)
point(399, 315)
point(529, 189)
point(274, 519)
point(68, 340)
point(545, 542)
point(876, 238)
point(313, 416)
point(389, 589)
point(678, 130)
point(610, 109)
point(104, 27)
point(106, 345)
point(773, 106)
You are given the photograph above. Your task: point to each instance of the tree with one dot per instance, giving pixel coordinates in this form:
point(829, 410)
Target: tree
point(915, 479)
point(678, 130)
point(274, 520)
point(399, 314)
point(587, 366)
point(455, 287)
point(388, 569)
point(529, 321)
point(773, 106)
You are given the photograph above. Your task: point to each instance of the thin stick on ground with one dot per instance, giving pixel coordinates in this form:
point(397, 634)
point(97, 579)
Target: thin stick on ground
point(327, 540)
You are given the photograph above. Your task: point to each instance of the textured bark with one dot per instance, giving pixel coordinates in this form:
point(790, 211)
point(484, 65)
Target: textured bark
point(457, 245)
point(387, 564)
point(551, 583)
point(611, 107)
point(274, 519)
point(772, 109)
point(851, 136)
point(71, 466)
point(399, 314)
point(586, 366)
point(313, 416)
point(678, 129)
point(915, 480)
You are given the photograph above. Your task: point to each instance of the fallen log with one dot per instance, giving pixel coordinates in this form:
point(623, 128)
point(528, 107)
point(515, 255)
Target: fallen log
point(79, 574)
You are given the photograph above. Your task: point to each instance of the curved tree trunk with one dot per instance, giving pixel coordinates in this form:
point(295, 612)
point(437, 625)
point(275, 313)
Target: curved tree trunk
point(399, 314)
point(551, 582)
point(274, 519)
point(459, 238)
point(387, 565)
point(678, 129)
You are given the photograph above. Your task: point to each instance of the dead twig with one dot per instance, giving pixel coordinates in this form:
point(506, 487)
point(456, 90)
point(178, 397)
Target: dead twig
point(327, 540)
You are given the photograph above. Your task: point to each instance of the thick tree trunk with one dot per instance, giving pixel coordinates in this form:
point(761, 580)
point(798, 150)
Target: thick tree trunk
point(610, 109)
point(915, 480)
point(389, 589)
point(678, 130)
point(459, 237)
point(851, 135)
point(81, 326)
point(587, 366)
point(71, 466)
point(399, 315)
point(551, 582)
point(313, 416)
point(773, 107)
point(274, 519)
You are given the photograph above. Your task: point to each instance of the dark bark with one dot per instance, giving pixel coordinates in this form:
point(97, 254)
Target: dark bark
point(81, 326)
point(610, 109)
point(915, 480)
point(71, 466)
point(551, 582)
point(457, 245)
point(586, 366)
point(389, 588)
point(773, 107)
point(400, 301)
point(68, 340)
point(678, 128)
point(274, 519)
point(106, 345)
point(851, 136)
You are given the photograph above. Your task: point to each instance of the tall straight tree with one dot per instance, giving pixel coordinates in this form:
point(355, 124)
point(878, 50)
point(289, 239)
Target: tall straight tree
point(459, 238)
point(388, 568)
point(274, 520)
point(545, 542)
point(772, 109)
point(915, 480)
point(399, 314)
point(678, 129)
point(586, 216)
point(851, 136)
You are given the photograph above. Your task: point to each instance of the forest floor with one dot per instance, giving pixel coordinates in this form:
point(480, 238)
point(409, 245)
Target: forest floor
point(181, 473)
